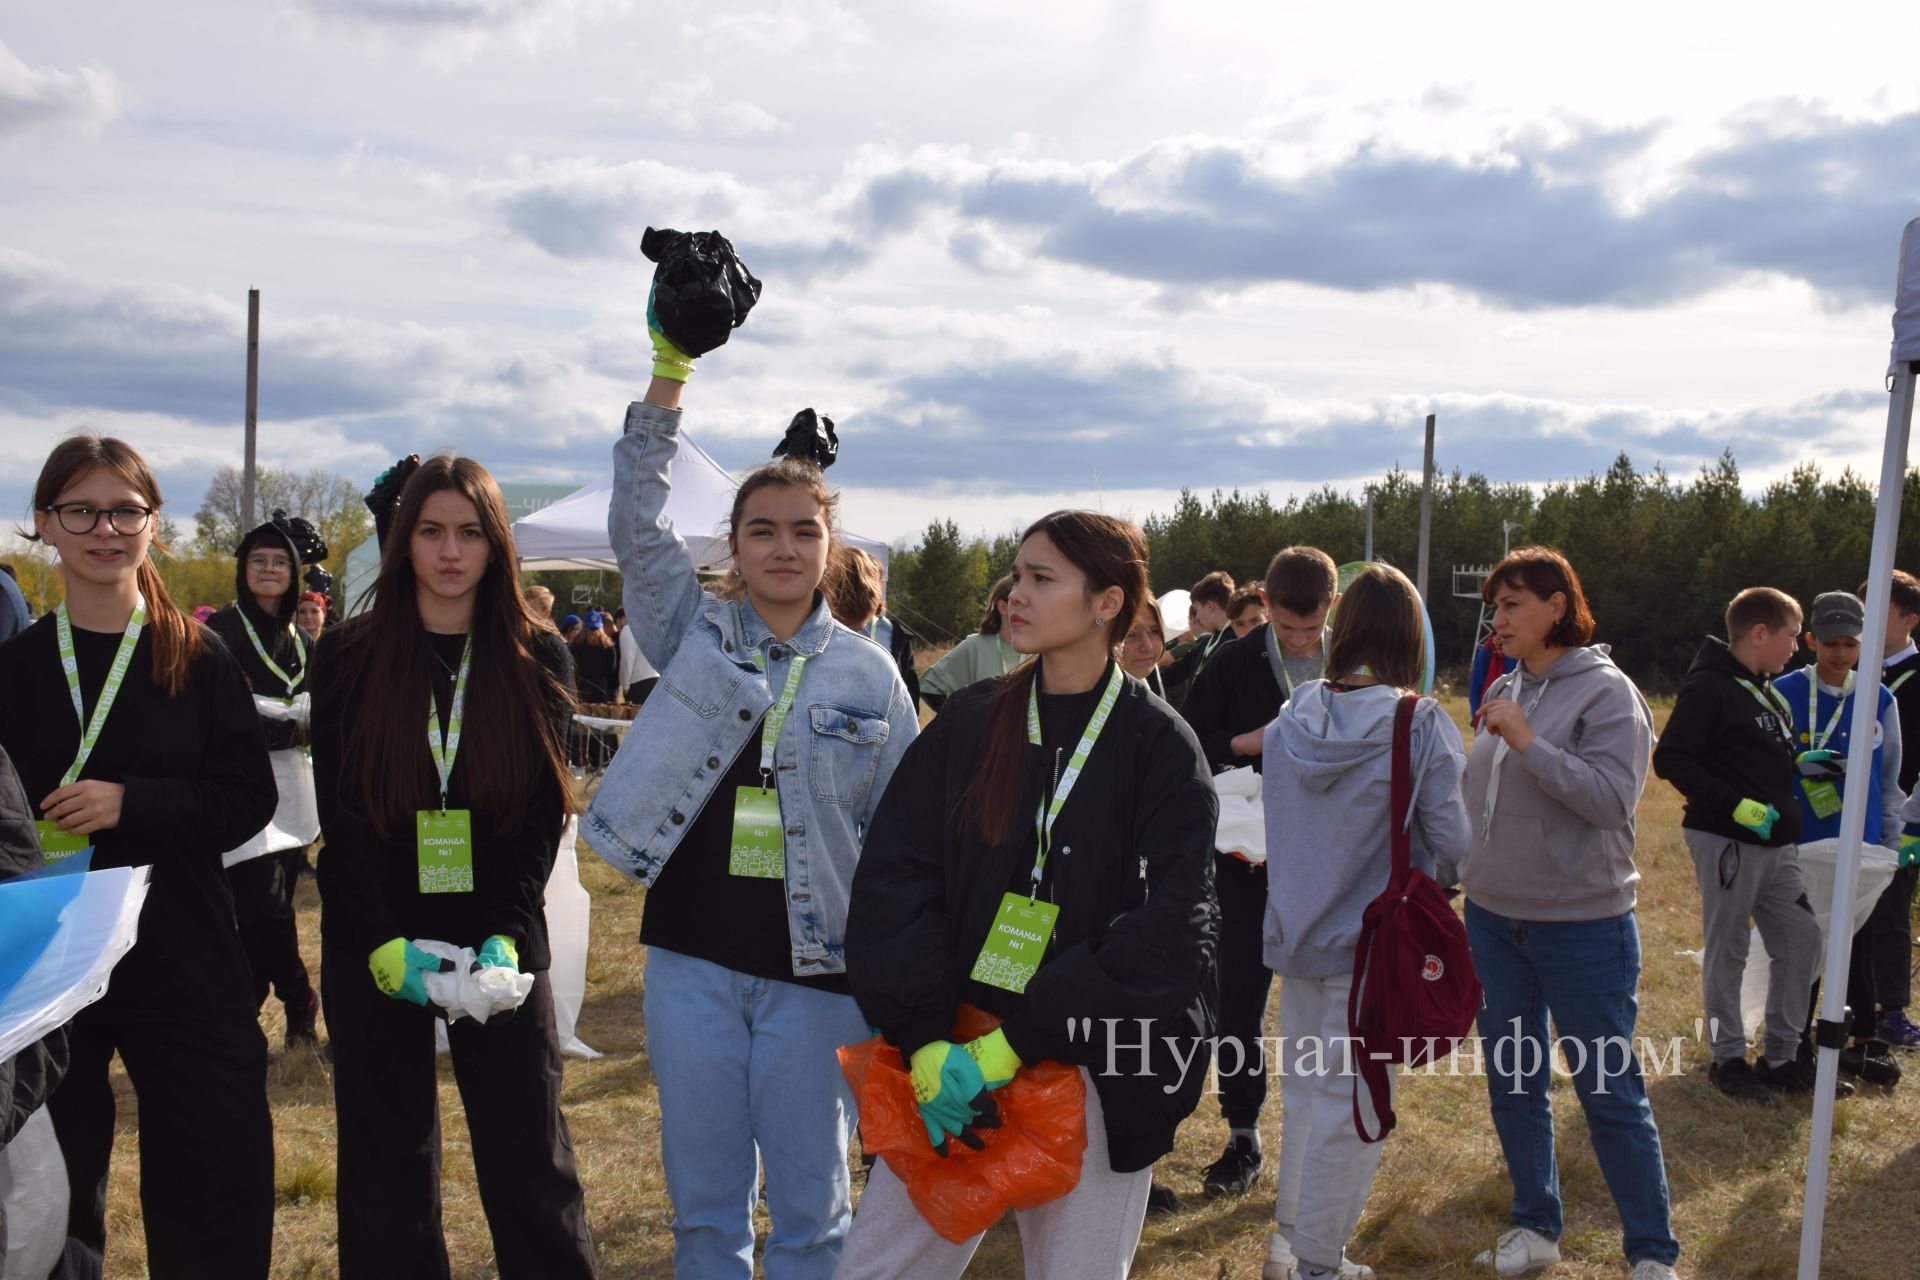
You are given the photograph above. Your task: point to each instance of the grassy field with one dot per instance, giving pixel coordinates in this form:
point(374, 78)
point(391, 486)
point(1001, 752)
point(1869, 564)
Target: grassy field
point(1736, 1172)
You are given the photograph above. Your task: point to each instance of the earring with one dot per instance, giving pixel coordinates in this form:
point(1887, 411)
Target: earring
point(1099, 622)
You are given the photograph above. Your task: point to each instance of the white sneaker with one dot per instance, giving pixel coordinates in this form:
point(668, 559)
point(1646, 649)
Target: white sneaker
point(1519, 1252)
point(1648, 1269)
point(1282, 1265)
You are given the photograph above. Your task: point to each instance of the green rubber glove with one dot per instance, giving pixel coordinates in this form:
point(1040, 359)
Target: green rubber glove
point(1756, 817)
point(1821, 764)
point(946, 1084)
point(1909, 851)
point(995, 1058)
point(669, 361)
point(397, 965)
point(498, 953)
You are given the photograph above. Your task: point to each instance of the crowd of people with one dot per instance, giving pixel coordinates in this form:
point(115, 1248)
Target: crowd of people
point(1018, 887)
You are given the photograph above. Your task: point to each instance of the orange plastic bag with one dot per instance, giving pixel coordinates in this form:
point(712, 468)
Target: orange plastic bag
point(1032, 1158)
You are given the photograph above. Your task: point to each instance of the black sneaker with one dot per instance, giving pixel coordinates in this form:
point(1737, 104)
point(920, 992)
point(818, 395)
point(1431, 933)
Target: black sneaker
point(1735, 1077)
point(1797, 1076)
point(1234, 1171)
point(1161, 1201)
point(1872, 1061)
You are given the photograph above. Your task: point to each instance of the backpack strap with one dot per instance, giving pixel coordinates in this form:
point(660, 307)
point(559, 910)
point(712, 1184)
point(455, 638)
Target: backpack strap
point(1371, 1071)
point(1400, 806)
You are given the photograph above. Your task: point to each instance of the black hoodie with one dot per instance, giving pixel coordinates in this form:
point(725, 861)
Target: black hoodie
point(1722, 745)
point(284, 643)
point(1132, 873)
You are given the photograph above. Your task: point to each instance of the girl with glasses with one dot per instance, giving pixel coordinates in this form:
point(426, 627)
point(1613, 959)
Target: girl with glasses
point(137, 743)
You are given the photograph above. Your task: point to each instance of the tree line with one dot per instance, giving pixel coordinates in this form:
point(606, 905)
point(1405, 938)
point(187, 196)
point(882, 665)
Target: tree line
point(1659, 557)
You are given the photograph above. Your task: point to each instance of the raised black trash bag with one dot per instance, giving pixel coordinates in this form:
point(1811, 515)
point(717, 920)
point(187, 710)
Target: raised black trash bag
point(810, 436)
point(701, 290)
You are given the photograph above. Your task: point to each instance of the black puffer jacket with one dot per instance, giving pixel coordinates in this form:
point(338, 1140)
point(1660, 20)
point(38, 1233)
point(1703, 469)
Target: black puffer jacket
point(1137, 927)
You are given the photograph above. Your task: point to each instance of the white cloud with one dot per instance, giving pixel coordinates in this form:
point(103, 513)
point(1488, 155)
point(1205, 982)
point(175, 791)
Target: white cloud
point(86, 99)
point(690, 105)
point(452, 31)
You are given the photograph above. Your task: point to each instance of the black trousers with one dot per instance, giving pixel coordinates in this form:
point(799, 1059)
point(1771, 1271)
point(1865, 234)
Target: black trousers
point(263, 910)
point(386, 1108)
point(1889, 934)
point(1245, 984)
point(206, 1144)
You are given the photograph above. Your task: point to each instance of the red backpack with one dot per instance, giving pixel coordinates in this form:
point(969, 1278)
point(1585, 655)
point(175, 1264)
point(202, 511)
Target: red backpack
point(1414, 992)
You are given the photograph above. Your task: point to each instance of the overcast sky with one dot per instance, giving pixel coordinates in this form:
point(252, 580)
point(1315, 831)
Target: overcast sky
point(1026, 255)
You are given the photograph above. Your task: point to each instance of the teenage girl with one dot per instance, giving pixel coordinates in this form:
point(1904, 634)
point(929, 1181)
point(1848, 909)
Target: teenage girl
point(739, 797)
point(439, 718)
point(1062, 802)
point(135, 734)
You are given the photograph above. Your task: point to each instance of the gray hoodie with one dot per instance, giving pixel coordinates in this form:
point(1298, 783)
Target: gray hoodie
point(1557, 841)
point(1328, 777)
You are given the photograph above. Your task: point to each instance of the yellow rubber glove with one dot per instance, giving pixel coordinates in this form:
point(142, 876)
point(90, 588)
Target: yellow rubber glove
point(669, 361)
point(996, 1058)
point(397, 965)
point(1756, 817)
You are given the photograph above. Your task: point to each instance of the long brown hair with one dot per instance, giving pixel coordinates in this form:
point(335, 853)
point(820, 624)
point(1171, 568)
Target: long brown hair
point(1111, 553)
point(176, 637)
point(1379, 625)
point(991, 621)
point(510, 740)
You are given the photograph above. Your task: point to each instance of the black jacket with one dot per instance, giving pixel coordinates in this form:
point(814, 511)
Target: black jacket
point(1907, 699)
point(1722, 746)
point(1137, 926)
point(1233, 693)
point(285, 644)
point(900, 644)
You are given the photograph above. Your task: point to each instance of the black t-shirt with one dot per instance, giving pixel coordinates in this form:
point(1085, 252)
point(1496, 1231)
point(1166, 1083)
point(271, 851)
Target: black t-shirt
point(697, 908)
point(1063, 718)
point(198, 783)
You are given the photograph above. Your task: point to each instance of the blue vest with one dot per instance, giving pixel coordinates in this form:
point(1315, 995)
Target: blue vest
point(1793, 687)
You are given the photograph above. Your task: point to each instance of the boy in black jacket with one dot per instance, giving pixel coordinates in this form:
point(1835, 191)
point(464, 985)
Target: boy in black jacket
point(1888, 932)
point(1231, 703)
point(1729, 749)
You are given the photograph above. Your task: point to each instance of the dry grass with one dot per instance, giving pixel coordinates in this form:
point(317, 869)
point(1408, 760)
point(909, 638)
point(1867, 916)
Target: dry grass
point(1736, 1173)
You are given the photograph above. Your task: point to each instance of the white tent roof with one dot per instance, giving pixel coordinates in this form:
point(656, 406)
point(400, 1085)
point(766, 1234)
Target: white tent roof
point(572, 533)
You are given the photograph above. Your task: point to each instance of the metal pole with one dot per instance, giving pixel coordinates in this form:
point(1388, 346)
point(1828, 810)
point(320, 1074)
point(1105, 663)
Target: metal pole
point(253, 406)
point(1369, 556)
point(1426, 511)
point(1853, 813)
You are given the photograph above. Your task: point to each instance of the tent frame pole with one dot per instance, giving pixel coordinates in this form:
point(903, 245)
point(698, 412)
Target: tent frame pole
point(1853, 813)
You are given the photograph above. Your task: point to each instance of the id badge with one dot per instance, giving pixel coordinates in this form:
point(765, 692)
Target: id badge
point(756, 851)
point(1016, 943)
point(1822, 797)
point(56, 844)
point(444, 845)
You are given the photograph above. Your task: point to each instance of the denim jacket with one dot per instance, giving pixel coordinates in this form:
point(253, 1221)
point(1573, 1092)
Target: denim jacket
point(850, 724)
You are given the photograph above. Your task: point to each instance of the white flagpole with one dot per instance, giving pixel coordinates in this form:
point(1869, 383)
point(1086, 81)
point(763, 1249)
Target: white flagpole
point(1831, 1028)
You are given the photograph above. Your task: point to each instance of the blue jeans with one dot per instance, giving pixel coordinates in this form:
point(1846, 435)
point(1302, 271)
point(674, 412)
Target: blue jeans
point(747, 1064)
point(1586, 973)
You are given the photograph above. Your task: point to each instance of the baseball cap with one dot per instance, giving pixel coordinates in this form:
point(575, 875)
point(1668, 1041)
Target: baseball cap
point(593, 620)
point(1837, 613)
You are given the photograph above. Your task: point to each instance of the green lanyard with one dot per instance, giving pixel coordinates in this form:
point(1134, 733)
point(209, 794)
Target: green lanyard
point(116, 676)
point(299, 645)
point(1009, 656)
point(1899, 680)
point(444, 754)
point(1047, 814)
point(1776, 705)
point(1819, 740)
point(1280, 661)
point(777, 714)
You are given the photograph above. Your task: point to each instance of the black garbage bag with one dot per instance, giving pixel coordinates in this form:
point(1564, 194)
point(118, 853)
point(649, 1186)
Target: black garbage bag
point(319, 580)
point(385, 495)
point(810, 437)
point(701, 290)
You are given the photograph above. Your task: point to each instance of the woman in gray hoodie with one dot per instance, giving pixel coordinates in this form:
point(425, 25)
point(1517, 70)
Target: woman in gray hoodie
point(1552, 782)
point(1329, 770)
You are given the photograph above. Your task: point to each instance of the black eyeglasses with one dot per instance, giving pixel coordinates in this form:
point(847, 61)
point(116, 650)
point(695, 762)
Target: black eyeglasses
point(78, 517)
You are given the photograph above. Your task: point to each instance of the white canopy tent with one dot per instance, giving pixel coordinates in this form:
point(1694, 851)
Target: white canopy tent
point(1830, 1030)
point(572, 533)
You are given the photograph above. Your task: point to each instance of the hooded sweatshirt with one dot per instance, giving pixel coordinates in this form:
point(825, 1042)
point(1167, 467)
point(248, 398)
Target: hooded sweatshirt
point(1329, 778)
point(290, 651)
point(1553, 825)
point(1726, 742)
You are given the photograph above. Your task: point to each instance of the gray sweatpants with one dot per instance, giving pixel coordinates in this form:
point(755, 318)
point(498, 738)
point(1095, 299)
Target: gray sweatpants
point(1088, 1234)
point(1763, 889)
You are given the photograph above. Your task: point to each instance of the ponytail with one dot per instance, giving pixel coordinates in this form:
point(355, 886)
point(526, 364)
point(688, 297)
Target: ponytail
point(176, 637)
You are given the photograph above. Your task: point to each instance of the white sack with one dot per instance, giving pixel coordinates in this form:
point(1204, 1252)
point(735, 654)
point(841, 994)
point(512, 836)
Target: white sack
point(1817, 865)
point(296, 819)
point(569, 909)
point(33, 1185)
point(1243, 823)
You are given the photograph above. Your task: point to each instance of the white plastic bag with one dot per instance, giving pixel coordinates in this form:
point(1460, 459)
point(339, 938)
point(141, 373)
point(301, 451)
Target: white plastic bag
point(466, 992)
point(97, 928)
point(1243, 823)
point(296, 818)
point(33, 1185)
point(569, 909)
point(1817, 866)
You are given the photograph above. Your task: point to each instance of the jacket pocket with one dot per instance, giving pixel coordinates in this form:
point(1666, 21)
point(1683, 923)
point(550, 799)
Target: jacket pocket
point(845, 751)
point(705, 699)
